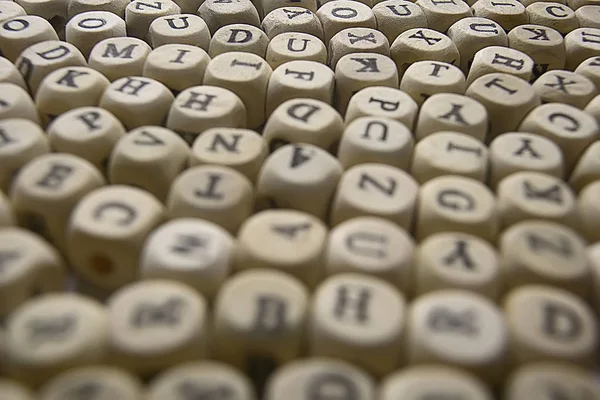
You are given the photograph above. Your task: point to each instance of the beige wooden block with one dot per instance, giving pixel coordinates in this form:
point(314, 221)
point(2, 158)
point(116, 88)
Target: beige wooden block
point(588, 16)
point(137, 101)
point(290, 46)
point(593, 108)
point(376, 140)
point(588, 211)
point(19, 33)
point(359, 319)
point(69, 88)
point(454, 113)
point(576, 4)
point(11, 389)
point(87, 29)
point(441, 14)
point(292, 19)
point(301, 177)
point(40, 59)
point(214, 193)
point(193, 251)
point(356, 40)
point(460, 329)
point(382, 101)
point(156, 324)
point(7, 217)
point(299, 79)
point(15, 102)
point(28, 265)
point(8, 71)
point(88, 132)
point(53, 333)
point(494, 59)
point(119, 57)
point(177, 66)
point(587, 169)
point(239, 37)
point(10, 10)
point(188, 29)
point(150, 158)
point(265, 7)
point(449, 153)
point(46, 191)
point(21, 141)
point(581, 44)
point(240, 149)
point(547, 380)
point(520, 151)
point(544, 44)
point(507, 13)
point(338, 15)
point(570, 128)
point(561, 86)
point(357, 71)
point(423, 79)
point(297, 244)
point(200, 108)
point(319, 376)
point(220, 13)
point(373, 246)
point(116, 7)
point(422, 44)
point(456, 204)
point(95, 381)
point(378, 190)
point(106, 233)
point(200, 378)
point(507, 98)
point(304, 120)
point(140, 14)
point(549, 324)
point(245, 74)
point(556, 15)
point(397, 16)
point(590, 68)
point(53, 11)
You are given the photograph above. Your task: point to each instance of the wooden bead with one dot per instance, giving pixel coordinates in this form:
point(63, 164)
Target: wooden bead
point(245, 74)
point(418, 382)
point(46, 191)
point(509, 14)
point(425, 78)
point(265, 7)
point(87, 29)
point(520, 151)
point(116, 7)
point(560, 86)
point(53, 333)
point(297, 247)
point(302, 177)
point(376, 140)
point(441, 14)
point(590, 68)
point(570, 128)
point(292, 19)
point(375, 189)
point(157, 324)
point(198, 379)
point(304, 120)
point(53, 11)
point(10, 10)
point(177, 66)
point(460, 329)
point(588, 16)
point(507, 98)
point(290, 46)
point(356, 40)
point(346, 322)
point(119, 57)
point(593, 108)
point(88, 132)
point(581, 44)
point(12, 390)
point(556, 15)
point(137, 101)
point(239, 37)
point(150, 158)
point(589, 214)
point(449, 153)
point(8, 72)
point(372, 246)
point(200, 108)
point(455, 203)
point(139, 15)
point(15, 102)
point(21, 141)
point(549, 324)
point(454, 113)
point(587, 169)
point(29, 265)
point(219, 13)
point(397, 16)
point(338, 15)
point(106, 232)
point(214, 193)
point(501, 59)
point(576, 4)
point(186, 29)
point(7, 217)
point(19, 33)
point(382, 101)
point(422, 44)
point(38, 60)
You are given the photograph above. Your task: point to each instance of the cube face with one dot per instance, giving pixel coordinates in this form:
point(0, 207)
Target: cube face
point(86, 29)
point(239, 37)
point(188, 29)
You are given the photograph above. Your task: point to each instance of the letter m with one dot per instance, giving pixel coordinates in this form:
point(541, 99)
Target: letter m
point(113, 51)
